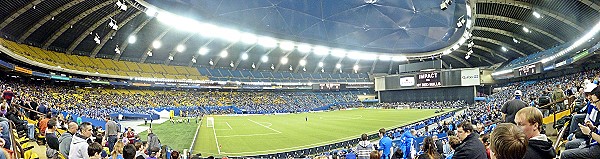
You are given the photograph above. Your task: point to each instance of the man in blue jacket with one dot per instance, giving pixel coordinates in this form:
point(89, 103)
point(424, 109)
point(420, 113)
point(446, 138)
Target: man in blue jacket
point(385, 145)
point(408, 139)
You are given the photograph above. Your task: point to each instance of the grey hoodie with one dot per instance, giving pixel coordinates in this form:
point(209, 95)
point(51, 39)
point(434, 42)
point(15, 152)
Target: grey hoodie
point(64, 143)
point(78, 149)
point(363, 149)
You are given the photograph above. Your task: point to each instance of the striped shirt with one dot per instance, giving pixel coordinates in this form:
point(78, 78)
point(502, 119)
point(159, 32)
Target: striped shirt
point(593, 116)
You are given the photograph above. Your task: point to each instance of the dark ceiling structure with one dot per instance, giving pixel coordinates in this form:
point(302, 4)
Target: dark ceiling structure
point(503, 30)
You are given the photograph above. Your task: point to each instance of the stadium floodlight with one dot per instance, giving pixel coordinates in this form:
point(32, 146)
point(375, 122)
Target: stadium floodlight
point(208, 30)
point(264, 58)
point(338, 66)
point(516, 41)
point(304, 69)
point(249, 38)
point(321, 50)
point(304, 48)
point(211, 62)
point(224, 54)
point(253, 65)
point(537, 15)
point(384, 58)
point(171, 57)
point(180, 48)
point(284, 60)
point(203, 51)
point(267, 42)
point(230, 35)
point(287, 45)
point(321, 64)
point(149, 53)
point(97, 39)
point(445, 3)
point(244, 56)
point(291, 69)
point(355, 67)
point(322, 70)
point(303, 62)
point(272, 67)
point(467, 57)
point(526, 30)
point(117, 50)
point(338, 52)
point(504, 49)
point(121, 5)
point(132, 39)
point(399, 58)
point(231, 64)
point(156, 44)
point(193, 60)
point(151, 12)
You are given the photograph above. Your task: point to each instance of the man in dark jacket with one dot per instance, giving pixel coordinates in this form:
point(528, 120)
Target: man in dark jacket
point(471, 147)
point(530, 120)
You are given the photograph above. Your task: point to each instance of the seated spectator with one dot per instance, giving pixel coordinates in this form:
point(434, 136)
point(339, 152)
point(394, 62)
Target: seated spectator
point(154, 153)
point(530, 121)
point(93, 151)
point(471, 147)
point(129, 151)
point(587, 149)
point(429, 149)
point(140, 148)
point(508, 142)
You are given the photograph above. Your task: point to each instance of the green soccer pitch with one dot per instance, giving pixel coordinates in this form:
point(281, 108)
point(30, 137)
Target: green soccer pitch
point(264, 134)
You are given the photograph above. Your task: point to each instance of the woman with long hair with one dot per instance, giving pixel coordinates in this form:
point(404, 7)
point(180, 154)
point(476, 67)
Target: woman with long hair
point(117, 152)
point(429, 149)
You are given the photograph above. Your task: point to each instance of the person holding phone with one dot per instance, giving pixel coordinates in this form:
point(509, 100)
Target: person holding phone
point(587, 148)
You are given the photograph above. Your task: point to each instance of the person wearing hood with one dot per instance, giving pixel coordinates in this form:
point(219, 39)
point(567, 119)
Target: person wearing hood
point(64, 141)
point(364, 147)
point(530, 120)
point(408, 139)
point(79, 144)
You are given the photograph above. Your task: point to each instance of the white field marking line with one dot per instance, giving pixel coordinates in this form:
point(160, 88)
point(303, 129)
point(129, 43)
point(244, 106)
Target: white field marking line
point(217, 141)
point(228, 125)
point(320, 143)
point(248, 135)
point(331, 141)
point(264, 126)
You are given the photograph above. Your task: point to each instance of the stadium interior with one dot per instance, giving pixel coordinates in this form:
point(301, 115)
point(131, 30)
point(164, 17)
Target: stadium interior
point(192, 79)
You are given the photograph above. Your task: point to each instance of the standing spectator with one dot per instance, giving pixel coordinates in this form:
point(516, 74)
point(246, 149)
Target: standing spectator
point(42, 108)
point(93, 151)
point(429, 150)
point(385, 144)
point(438, 144)
point(407, 146)
point(130, 135)
point(8, 95)
point(558, 94)
point(364, 147)
point(64, 142)
point(51, 140)
point(79, 144)
point(530, 121)
point(153, 141)
point(471, 147)
point(508, 142)
point(111, 132)
point(510, 108)
point(43, 124)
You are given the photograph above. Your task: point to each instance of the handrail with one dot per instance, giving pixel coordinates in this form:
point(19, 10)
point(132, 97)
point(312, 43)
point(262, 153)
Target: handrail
point(16, 146)
point(554, 102)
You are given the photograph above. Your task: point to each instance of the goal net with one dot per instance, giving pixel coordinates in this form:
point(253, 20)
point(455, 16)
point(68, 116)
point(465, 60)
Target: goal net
point(210, 122)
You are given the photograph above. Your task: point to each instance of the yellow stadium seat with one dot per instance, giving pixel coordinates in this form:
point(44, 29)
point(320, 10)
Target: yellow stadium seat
point(146, 68)
point(156, 75)
point(157, 68)
point(192, 71)
point(134, 74)
point(133, 66)
point(121, 66)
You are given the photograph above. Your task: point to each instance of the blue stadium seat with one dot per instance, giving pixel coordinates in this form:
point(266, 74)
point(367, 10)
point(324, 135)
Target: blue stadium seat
point(215, 72)
point(296, 76)
point(286, 74)
point(246, 73)
point(267, 74)
point(236, 73)
point(204, 71)
point(225, 72)
point(277, 75)
point(257, 74)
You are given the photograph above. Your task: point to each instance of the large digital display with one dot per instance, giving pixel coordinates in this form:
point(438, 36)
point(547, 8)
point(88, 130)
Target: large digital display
point(528, 70)
point(431, 79)
point(329, 86)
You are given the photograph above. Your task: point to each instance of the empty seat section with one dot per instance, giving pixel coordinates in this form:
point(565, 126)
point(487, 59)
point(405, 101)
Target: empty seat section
point(133, 66)
point(215, 73)
point(286, 75)
point(157, 75)
point(267, 74)
point(256, 74)
point(225, 72)
point(306, 76)
point(134, 74)
point(121, 66)
point(277, 75)
point(109, 64)
point(146, 75)
point(170, 70)
point(157, 68)
point(246, 73)
point(204, 71)
point(85, 61)
point(236, 73)
point(181, 70)
point(146, 68)
point(296, 76)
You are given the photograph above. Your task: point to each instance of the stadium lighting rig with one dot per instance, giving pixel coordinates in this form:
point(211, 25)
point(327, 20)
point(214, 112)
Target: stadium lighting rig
point(445, 3)
point(117, 50)
point(122, 6)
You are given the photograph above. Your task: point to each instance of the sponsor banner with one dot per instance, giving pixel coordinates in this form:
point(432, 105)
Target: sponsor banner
point(23, 70)
point(470, 77)
point(431, 79)
point(407, 81)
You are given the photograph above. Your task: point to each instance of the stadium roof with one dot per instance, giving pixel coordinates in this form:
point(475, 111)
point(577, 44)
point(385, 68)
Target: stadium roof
point(380, 29)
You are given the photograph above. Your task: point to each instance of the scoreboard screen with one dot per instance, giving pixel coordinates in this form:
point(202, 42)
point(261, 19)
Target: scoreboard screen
point(430, 79)
point(528, 70)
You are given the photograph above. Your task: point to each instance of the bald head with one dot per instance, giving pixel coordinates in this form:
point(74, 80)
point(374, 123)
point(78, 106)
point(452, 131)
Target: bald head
point(73, 127)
